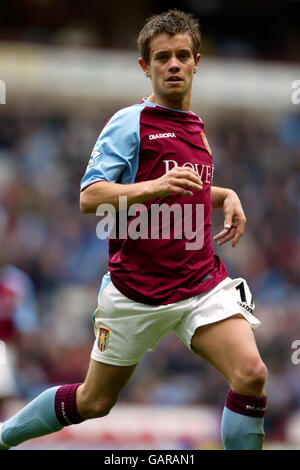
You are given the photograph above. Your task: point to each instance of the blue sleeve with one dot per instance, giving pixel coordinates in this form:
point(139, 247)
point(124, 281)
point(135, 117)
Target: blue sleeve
point(115, 155)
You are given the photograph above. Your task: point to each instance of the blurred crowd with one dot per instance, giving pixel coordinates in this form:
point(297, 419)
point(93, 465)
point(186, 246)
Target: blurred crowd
point(267, 30)
point(51, 261)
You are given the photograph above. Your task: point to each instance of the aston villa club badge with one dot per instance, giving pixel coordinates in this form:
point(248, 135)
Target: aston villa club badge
point(204, 138)
point(103, 338)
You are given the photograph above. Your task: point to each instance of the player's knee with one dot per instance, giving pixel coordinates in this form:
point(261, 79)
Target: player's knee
point(258, 375)
point(251, 378)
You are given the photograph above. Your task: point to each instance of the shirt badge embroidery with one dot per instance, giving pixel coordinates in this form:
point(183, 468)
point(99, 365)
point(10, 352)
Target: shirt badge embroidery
point(206, 143)
point(92, 159)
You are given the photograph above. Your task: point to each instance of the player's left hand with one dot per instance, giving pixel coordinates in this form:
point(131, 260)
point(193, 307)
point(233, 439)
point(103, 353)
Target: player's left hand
point(235, 220)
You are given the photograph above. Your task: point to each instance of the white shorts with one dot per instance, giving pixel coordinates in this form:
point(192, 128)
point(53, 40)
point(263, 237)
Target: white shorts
point(125, 330)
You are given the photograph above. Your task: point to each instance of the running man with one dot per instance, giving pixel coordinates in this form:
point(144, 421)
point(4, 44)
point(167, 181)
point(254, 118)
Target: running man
point(156, 154)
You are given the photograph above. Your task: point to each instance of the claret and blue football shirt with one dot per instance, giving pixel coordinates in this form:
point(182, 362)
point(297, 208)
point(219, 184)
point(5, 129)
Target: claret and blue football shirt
point(141, 143)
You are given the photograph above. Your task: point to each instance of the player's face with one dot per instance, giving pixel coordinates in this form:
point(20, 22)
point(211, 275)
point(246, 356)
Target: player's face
point(171, 68)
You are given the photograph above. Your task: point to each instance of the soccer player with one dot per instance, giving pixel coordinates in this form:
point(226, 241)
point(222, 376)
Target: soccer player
point(155, 154)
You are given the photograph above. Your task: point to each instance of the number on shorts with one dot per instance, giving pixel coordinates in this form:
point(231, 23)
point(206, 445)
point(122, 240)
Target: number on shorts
point(241, 288)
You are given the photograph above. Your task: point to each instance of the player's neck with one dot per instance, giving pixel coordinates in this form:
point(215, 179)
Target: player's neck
point(181, 105)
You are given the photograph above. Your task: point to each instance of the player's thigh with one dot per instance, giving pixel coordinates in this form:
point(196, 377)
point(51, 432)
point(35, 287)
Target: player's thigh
point(102, 385)
point(229, 345)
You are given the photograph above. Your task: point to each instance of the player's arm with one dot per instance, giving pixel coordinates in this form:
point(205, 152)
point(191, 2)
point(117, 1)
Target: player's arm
point(234, 217)
point(178, 180)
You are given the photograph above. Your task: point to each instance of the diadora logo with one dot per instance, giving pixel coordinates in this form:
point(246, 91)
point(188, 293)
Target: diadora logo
point(161, 136)
point(246, 307)
point(256, 408)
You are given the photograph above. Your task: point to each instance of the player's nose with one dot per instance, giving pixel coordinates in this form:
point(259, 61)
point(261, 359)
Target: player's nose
point(173, 64)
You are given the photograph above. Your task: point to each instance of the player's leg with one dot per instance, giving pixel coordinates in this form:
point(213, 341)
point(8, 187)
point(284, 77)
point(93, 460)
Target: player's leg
point(229, 345)
point(101, 389)
point(125, 331)
point(67, 404)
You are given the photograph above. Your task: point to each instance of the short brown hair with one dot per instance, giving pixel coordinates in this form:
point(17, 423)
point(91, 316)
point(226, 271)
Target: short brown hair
point(171, 22)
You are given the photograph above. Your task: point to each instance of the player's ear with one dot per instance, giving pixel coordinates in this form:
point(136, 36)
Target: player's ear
point(196, 63)
point(144, 67)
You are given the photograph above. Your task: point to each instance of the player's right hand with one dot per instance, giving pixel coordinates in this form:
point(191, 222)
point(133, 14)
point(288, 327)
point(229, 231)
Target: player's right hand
point(179, 180)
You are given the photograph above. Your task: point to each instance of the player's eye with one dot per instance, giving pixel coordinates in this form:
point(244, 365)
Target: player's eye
point(162, 57)
point(183, 55)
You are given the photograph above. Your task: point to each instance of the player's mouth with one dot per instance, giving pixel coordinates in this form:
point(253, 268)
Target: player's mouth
point(174, 79)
